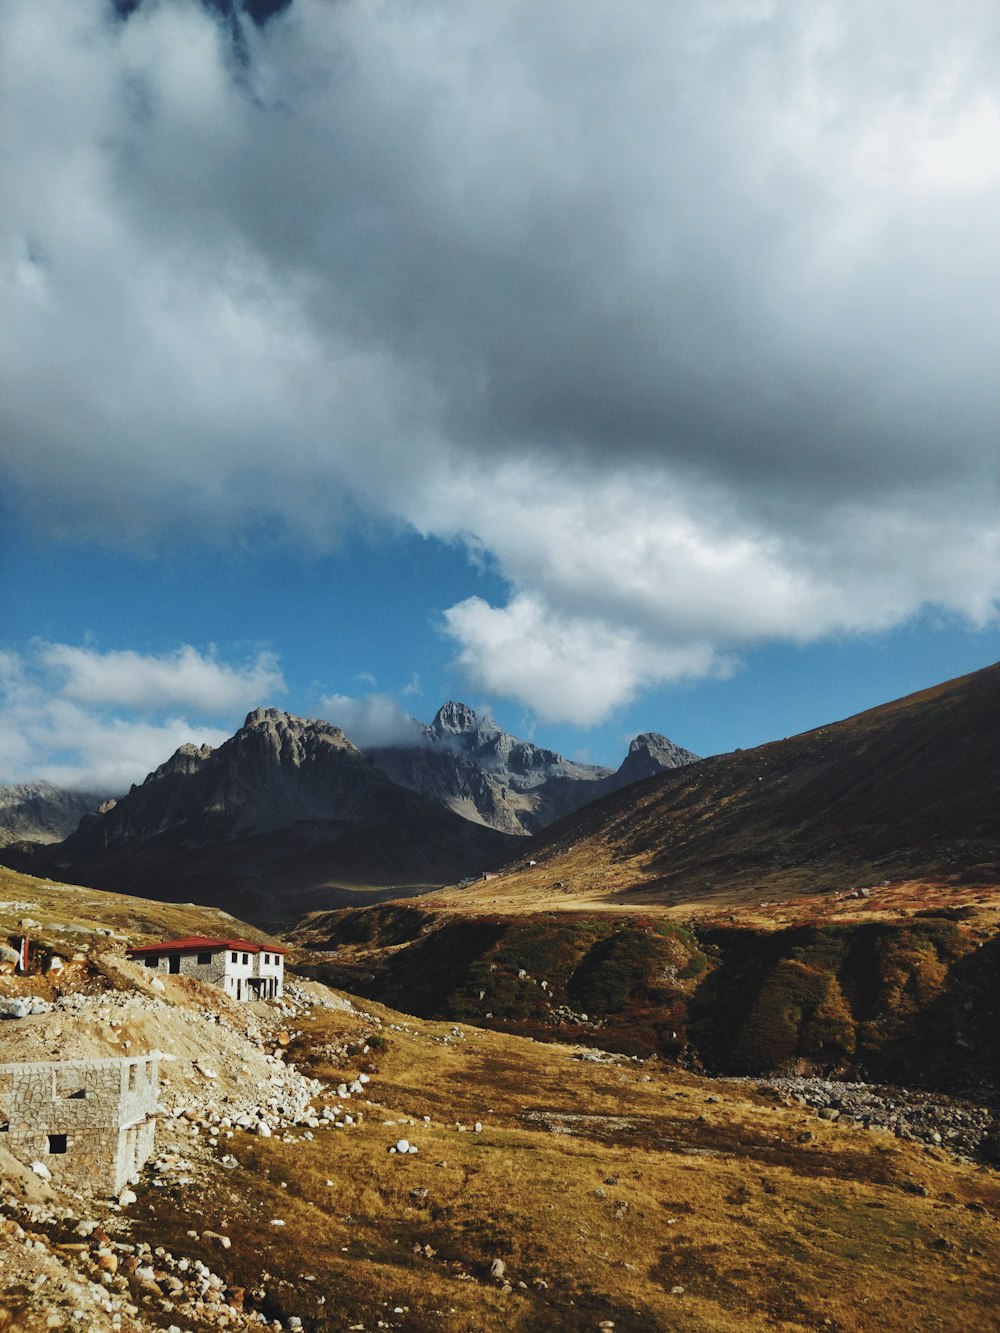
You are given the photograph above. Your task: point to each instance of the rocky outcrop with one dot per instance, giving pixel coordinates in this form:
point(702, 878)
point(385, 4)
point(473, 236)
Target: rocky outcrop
point(651, 753)
point(471, 765)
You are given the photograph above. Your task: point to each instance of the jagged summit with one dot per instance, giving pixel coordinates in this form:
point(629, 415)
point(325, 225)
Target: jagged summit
point(453, 719)
point(651, 753)
point(288, 724)
point(268, 715)
point(187, 758)
point(465, 761)
point(43, 812)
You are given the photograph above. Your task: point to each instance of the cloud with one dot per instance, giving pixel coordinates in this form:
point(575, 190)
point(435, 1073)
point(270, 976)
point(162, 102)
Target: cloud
point(375, 719)
point(679, 318)
point(101, 721)
point(132, 680)
point(567, 670)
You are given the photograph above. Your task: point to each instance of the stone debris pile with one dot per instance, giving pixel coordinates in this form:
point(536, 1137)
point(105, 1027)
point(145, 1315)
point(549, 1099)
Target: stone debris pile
point(20, 1006)
point(963, 1128)
point(97, 1281)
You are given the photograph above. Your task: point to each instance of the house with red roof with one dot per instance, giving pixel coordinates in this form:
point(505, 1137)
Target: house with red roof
point(244, 970)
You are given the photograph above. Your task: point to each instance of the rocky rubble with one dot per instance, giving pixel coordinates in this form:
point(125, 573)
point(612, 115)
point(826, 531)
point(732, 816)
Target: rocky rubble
point(964, 1128)
point(95, 1280)
point(84, 1273)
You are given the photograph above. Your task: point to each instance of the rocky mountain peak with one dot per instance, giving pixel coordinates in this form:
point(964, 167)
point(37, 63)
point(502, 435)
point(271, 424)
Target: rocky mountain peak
point(651, 753)
point(42, 812)
point(275, 715)
point(455, 719)
point(187, 758)
point(276, 722)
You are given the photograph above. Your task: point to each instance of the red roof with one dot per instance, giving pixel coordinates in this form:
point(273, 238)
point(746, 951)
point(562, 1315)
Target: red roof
point(198, 944)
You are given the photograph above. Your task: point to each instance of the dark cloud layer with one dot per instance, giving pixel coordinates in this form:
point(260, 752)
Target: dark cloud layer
point(724, 276)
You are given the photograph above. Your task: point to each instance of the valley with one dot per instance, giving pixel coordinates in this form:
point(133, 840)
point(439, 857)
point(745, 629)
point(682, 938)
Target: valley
point(716, 1050)
point(553, 1186)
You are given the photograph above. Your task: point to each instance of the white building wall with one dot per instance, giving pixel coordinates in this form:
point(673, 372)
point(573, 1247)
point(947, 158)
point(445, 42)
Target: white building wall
point(232, 969)
point(271, 968)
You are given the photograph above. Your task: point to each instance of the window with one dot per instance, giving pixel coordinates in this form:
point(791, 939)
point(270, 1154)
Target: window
point(246, 959)
point(152, 960)
point(57, 1143)
point(204, 959)
point(175, 962)
point(234, 957)
point(266, 959)
point(133, 1077)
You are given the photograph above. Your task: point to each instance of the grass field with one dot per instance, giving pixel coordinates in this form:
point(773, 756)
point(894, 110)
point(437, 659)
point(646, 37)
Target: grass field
point(610, 1192)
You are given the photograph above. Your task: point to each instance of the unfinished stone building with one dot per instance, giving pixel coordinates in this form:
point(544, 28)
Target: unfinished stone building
point(244, 970)
point(92, 1122)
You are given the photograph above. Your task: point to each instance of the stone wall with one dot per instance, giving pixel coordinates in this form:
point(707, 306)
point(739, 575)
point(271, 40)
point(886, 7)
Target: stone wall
point(92, 1122)
point(214, 971)
point(221, 970)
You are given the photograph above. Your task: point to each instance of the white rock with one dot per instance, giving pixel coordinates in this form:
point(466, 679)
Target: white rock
point(40, 1169)
point(263, 1129)
point(402, 1145)
point(126, 1197)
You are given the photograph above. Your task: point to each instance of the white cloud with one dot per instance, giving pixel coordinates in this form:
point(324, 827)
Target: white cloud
point(102, 721)
point(375, 719)
point(620, 583)
point(187, 677)
point(566, 669)
point(679, 317)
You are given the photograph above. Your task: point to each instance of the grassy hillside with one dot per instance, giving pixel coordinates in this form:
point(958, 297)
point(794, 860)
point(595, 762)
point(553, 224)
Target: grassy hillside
point(910, 1001)
point(909, 791)
point(67, 917)
point(548, 1192)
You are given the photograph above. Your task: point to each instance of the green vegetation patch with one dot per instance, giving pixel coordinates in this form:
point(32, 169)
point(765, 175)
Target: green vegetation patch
point(506, 981)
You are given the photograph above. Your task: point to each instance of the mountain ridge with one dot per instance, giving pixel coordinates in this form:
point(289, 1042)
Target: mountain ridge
point(285, 809)
point(41, 811)
point(909, 789)
point(484, 773)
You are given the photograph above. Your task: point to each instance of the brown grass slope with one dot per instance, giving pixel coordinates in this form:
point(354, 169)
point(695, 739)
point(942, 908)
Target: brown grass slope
point(66, 918)
point(905, 791)
point(613, 1194)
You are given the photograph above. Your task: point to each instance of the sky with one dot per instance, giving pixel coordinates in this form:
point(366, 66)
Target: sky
point(610, 367)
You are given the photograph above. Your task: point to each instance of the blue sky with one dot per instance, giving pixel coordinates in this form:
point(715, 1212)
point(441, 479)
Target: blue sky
point(367, 620)
point(613, 375)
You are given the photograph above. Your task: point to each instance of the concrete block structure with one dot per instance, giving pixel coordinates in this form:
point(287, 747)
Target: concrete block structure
point(92, 1122)
point(244, 970)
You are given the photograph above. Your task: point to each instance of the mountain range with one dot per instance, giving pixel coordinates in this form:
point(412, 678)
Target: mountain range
point(289, 813)
point(42, 812)
point(828, 902)
point(469, 764)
